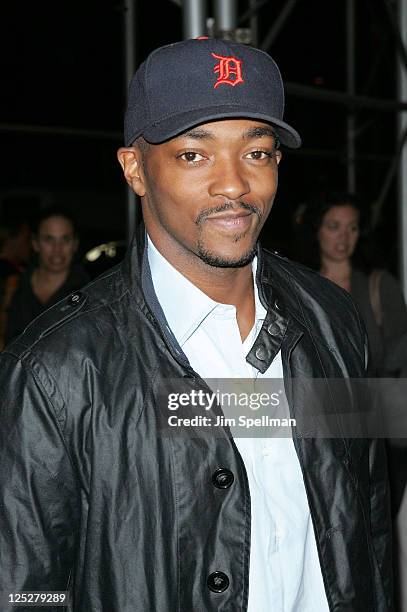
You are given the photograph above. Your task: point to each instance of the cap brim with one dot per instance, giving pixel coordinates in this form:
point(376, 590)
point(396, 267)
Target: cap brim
point(175, 125)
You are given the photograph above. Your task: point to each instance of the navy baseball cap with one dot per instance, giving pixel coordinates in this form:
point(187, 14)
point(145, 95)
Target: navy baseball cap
point(196, 81)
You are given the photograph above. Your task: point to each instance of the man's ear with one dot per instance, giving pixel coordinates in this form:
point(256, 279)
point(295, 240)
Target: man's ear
point(278, 155)
point(132, 164)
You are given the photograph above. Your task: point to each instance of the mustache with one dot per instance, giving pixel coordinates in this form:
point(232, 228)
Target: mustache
point(227, 206)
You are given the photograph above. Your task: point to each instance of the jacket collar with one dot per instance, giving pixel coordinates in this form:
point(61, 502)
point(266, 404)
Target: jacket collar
point(184, 304)
point(274, 292)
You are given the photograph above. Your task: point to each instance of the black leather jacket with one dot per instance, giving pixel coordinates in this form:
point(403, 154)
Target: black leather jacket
point(94, 501)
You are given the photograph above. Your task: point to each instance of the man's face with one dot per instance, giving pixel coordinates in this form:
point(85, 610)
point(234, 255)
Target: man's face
point(207, 193)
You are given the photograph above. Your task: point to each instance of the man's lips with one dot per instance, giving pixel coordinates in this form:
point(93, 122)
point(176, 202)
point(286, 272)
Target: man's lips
point(235, 220)
point(228, 211)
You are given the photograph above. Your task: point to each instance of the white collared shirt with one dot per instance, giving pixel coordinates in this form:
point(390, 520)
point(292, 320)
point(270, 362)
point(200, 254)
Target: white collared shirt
point(285, 573)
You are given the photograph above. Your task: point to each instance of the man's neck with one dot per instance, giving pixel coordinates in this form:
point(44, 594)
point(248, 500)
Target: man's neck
point(223, 285)
point(232, 286)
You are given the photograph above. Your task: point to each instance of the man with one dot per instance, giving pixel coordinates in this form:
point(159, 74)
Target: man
point(99, 498)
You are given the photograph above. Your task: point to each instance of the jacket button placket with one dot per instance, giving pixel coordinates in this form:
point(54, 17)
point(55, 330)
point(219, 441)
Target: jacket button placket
point(75, 298)
point(218, 582)
point(222, 478)
point(262, 353)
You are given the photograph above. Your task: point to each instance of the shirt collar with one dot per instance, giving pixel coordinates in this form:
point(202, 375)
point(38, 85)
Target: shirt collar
point(184, 305)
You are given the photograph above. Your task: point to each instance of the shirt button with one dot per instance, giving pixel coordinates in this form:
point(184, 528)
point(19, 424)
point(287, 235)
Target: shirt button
point(277, 305)
point(273, 329)
point(218, 582)
point(75, 298)
point(261, 353)
point(222, 478)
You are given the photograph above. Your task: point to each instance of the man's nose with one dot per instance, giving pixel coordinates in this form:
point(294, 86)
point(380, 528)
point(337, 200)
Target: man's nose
point(229, 180)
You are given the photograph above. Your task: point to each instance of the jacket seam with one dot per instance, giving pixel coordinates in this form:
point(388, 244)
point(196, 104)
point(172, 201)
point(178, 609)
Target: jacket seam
point(176, 504)
point(61, 433)
point(369, 537)
point(53, 408)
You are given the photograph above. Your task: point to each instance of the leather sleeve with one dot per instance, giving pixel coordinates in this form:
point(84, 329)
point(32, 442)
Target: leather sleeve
point(38, 496)
point(380, 515)
point(380, 518)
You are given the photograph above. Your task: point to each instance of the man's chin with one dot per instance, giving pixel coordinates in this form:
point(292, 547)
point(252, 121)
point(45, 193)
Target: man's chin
point(223, 260)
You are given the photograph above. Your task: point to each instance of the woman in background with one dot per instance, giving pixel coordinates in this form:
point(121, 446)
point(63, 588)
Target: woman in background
point(331, 230)
point(54, 274)
point(335, 223)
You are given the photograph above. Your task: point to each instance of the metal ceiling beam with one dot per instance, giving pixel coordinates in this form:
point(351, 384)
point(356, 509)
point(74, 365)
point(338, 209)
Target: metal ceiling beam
point(391, 173)
point(344, 99)
point(255, 6)
point(47, 130)
point(254, 23)
point(130, 68)
point(351, 90)
point(225, 16)
point(194, 13)
point(398, 32)
point(402, 127)
point(278, 25)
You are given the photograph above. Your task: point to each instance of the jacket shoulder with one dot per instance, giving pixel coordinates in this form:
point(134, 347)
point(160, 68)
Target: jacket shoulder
point(307, 280)
point(94, 297)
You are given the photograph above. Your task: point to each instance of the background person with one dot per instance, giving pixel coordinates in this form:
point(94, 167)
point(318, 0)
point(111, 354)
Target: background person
point(15, 251)
point(53, 275)
point(333, 226)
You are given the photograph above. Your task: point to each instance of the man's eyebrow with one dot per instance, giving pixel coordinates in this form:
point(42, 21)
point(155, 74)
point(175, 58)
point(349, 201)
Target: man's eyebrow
point(259, 132)
point(197, 134)
point(254, 132)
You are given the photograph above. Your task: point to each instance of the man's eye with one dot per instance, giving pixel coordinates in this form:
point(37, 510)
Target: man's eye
point(259, 154)
point(191, 156)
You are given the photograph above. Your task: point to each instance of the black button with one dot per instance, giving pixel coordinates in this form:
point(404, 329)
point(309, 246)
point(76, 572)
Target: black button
point(75, 298)
point(222, 478)
point(218, 582)
point(261, 353)
point(273, 329)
